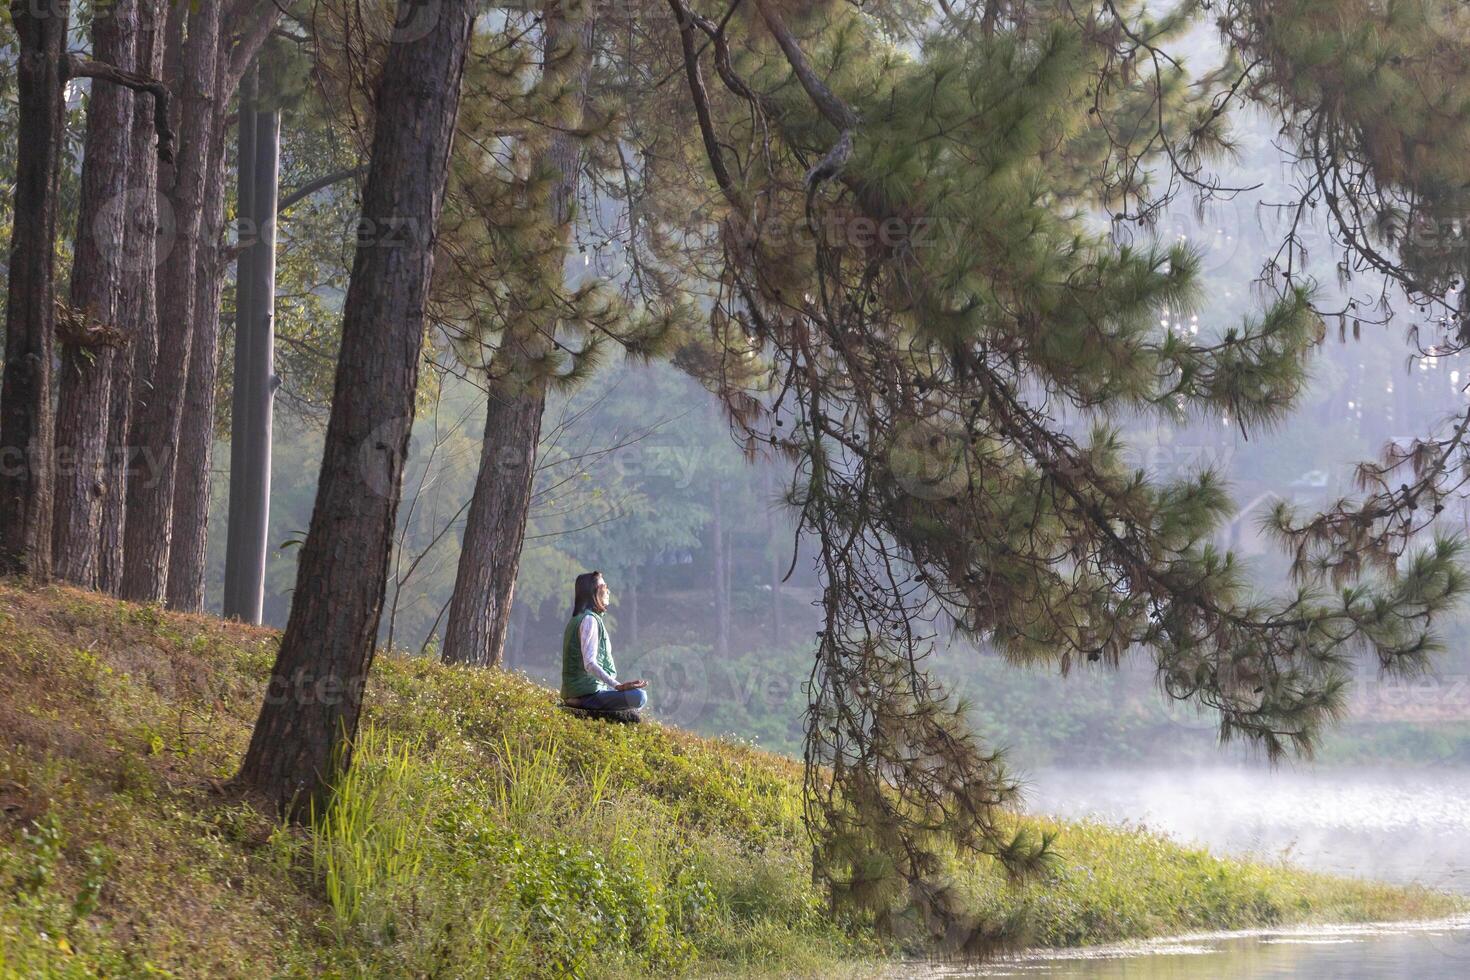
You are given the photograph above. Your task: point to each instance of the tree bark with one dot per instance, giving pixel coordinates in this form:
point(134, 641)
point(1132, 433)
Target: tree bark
point(187, 553)
point(495, 529)
point(27, 416)
point(84, 380)
point(303, 737)
point(251, 408)
point(137, 302)
point(159, 395)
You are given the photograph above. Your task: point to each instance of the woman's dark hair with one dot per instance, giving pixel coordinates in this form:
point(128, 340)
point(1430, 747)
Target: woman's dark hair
point(584, 593)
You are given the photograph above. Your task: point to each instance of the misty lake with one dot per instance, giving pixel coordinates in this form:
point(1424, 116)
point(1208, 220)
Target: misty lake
point(1406, 825)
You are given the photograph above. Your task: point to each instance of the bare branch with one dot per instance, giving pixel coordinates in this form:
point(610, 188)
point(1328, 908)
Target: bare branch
point(80, 67)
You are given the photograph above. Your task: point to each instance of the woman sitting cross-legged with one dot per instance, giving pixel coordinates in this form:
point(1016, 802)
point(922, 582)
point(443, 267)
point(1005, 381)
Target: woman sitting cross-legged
point(589, 679)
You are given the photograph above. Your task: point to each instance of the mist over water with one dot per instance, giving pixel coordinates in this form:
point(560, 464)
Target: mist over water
point(1408, 825)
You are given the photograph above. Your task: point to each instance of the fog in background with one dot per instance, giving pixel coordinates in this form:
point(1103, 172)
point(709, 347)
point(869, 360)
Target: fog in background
point(639, 478)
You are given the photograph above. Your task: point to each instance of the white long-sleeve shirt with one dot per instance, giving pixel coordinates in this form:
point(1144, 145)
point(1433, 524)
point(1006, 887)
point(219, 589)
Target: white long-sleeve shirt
point(588, 636)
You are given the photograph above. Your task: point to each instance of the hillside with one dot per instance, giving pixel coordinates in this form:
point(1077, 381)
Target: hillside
point(482, 832)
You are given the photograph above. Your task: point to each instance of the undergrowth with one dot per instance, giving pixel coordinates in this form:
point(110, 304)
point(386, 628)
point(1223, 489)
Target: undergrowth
point(480, 832)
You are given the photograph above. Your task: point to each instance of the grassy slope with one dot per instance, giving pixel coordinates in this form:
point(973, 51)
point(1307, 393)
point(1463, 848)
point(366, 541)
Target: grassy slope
point(483, 832)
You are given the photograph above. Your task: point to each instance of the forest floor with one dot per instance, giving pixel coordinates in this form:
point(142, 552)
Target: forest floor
point(482, 832)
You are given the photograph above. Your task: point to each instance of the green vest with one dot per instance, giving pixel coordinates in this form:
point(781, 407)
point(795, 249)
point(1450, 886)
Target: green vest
point(575, 680)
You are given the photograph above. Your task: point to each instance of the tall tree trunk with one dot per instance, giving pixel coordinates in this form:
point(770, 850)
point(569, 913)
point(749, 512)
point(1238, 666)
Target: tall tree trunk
point(233, 606)
point(159, 395)
point(251, 408)
point(309, 718)
point(87, 357)
point(187, 553)
point(27, 419)
point(137, 305)
point(495, 529)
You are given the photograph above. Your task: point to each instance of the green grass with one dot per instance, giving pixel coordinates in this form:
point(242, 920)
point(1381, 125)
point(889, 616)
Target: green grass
point(481, 832)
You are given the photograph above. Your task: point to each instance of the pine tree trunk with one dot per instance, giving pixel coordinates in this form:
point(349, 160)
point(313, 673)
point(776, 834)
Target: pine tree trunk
point(495, 529)
point(252, 405)
point(137, 304)
point(311, 708)
point(84, 380)
point(160, 393)
point(187, 554)
point(27, 416)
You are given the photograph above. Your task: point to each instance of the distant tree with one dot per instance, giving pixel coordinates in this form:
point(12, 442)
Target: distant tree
point(519, 362)
point(216, 44)
point(253, 395)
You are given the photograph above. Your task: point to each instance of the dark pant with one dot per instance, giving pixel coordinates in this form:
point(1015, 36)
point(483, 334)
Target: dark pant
point(614, 700)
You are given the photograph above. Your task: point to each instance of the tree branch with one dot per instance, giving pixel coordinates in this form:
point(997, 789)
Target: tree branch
point(251, 38)
point(701, 103)
point(320, 183)
point(76, 66)
point(833, 109)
